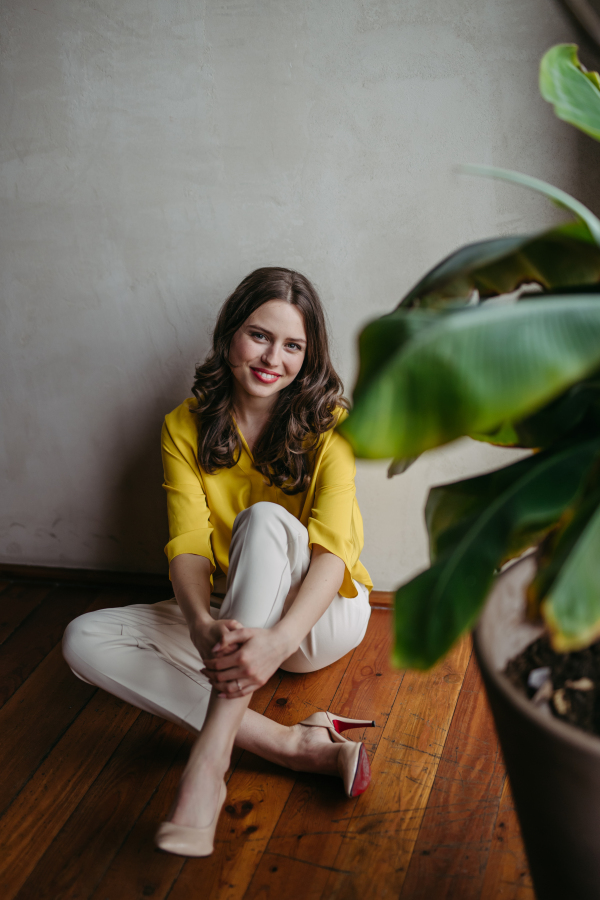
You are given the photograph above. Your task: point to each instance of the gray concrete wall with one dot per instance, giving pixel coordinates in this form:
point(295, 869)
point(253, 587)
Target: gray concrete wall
point(153, 153)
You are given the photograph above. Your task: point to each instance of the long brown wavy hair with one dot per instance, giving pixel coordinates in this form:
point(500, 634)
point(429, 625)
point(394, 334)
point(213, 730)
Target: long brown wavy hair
point(302, 412)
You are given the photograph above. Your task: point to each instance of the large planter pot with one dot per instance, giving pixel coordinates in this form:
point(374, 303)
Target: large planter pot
point(554, 768)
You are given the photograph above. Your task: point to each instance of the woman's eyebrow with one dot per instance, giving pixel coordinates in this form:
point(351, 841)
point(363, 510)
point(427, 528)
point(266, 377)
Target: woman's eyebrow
point(270, 333)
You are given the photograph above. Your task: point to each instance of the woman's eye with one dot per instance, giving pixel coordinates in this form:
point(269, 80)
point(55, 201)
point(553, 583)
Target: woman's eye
point(295, 346)
point(257, 334)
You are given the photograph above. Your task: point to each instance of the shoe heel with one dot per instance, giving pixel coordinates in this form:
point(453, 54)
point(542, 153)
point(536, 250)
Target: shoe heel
point(337, 723)
point(340, 723)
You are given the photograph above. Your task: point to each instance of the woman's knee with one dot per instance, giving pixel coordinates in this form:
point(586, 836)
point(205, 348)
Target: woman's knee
point(265, 515)
point(83, 640)
point(260, 513)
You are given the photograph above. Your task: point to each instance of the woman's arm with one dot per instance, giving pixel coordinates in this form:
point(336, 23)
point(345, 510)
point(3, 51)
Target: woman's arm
point(263, 650)
point(190, 576)
point(321, 584)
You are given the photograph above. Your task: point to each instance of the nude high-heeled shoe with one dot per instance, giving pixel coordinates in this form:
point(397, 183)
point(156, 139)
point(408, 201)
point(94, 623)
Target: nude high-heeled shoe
point(353, 762)
point(183, 840)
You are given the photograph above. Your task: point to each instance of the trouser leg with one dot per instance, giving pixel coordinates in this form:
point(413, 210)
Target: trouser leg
point(144, 655)
point(269, 558)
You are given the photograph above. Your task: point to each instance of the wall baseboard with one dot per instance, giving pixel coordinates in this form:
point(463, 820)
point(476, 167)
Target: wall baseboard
point(10, 571)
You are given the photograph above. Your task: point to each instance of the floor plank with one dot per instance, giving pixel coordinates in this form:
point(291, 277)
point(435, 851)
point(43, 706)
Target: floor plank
point(76, 860)
point(451, 852)
point(507, 873)
point(17, 601)
point(35, 718)
point(138, 870)
point(34, 639)
point(257, 794)
point(40, 711)
point(85, 780)
point(380, 833)
point(43, 806)
point(309, 828)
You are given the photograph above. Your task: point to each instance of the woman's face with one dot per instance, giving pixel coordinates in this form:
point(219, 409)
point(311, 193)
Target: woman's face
point(268, 350)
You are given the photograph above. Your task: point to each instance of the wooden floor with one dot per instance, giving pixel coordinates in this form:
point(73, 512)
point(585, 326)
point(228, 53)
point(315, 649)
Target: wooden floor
point(85, 779)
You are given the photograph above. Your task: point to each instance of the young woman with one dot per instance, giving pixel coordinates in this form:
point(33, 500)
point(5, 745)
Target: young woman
point(265, 537)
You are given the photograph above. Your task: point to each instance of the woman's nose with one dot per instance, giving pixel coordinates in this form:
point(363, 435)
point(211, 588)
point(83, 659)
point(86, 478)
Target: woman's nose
point(272, 355)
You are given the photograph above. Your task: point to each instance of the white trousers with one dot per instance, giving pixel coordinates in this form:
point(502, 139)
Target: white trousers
point(144, 655)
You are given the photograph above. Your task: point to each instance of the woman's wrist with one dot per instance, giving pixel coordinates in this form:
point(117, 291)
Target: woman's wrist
point(200, 621)
point(286, 638)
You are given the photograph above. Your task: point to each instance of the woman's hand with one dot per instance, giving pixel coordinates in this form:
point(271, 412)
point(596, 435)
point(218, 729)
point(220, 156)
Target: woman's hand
point(244, 660)
point(208, 633)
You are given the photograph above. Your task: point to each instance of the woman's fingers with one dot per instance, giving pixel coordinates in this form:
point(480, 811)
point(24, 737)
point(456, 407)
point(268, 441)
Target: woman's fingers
point(237, 635)
point(217, 678)
point(219, 663)
point(238, 688)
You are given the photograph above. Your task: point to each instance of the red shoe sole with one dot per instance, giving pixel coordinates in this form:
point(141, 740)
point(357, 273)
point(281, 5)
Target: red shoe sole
point(362, 777)
point(345, 726)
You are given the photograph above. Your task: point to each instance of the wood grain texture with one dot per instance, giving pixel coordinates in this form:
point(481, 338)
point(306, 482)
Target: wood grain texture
point(43, 806)
point(257, 794)
point(85, 779)
point(312, 825)
point(39, 712)
point(137, 868)
point(77, 858)
point(507, 872)
point(450, 855)
point(35, 718)
point(28, 645)
point(381, 832)
point(17, 601)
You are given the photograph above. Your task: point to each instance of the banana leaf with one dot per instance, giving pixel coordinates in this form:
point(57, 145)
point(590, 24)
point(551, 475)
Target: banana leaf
point(566, 584)
point(578, 408)
point(558, 197)
point(452, 509)
point(502, 436)
point(564, 257)
point(468, 372)
point(573, 91)
point(440, 604)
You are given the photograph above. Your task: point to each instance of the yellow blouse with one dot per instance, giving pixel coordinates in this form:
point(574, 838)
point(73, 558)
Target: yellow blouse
point(203, 507)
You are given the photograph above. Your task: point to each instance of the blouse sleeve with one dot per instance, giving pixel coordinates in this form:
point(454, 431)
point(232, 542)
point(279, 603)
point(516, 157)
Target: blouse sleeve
point(189, 524)
point(334, 522)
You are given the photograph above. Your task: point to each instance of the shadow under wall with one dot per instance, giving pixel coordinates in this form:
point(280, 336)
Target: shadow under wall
point(137, 515)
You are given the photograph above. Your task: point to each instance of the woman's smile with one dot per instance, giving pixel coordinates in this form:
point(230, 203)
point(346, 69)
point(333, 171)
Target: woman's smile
point(265, 376)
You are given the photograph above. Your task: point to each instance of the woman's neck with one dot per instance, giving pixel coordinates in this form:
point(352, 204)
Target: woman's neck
point(251, 416)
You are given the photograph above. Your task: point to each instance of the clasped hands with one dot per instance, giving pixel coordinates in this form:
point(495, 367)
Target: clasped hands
point(238, 660)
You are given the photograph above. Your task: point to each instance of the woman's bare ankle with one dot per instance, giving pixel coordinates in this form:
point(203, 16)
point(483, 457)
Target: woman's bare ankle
point(313, 751)
point(197, 796)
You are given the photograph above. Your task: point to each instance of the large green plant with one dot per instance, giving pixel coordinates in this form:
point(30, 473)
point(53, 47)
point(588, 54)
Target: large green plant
point(521, 372)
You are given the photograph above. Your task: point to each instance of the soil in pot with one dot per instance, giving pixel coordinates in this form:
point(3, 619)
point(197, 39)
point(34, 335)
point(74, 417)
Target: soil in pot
point(567, 685)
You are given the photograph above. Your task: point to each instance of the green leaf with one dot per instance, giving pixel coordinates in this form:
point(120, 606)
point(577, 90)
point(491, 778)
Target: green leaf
point(564, 257)
point(573, 91)
point(578, 407)
point(399, 466)
point(560, 198)
point(385, 337)
point(470, 371)
point(503, 436)
point(572, 605)
point(440, 604)
point(451, 509)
